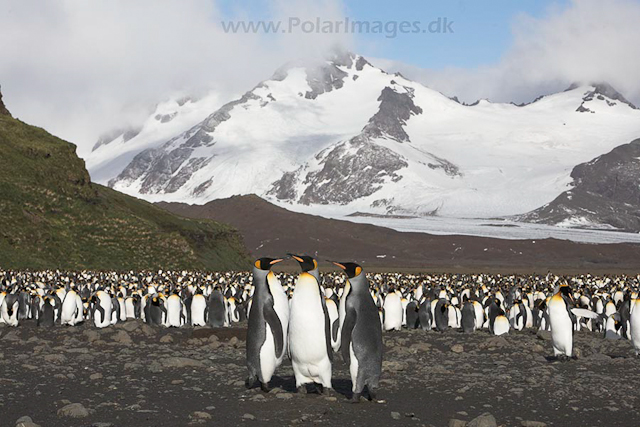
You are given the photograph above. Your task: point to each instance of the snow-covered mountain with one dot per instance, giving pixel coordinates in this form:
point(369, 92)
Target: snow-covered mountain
point(117, 148)
point(605, 194)
point(344, 136)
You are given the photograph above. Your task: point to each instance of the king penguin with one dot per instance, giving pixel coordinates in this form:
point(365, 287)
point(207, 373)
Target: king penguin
point(635, 325)
point(561, 321)
point(310, 330)
point(268, 324)
point(361, 335)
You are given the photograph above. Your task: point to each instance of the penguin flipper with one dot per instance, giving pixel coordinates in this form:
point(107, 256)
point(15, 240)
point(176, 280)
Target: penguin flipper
point(327, 328)
point(273, 321)
point(347, 329)
point(102, 312)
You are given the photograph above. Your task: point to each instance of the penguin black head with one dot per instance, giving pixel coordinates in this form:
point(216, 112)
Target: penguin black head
point(351, 269)
point(566, 290)
point(306, 262)
point(265, 264)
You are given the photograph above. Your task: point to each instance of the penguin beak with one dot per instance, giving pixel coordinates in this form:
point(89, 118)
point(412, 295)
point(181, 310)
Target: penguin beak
point(338, 264)
point(296, 257)
point(275, 261)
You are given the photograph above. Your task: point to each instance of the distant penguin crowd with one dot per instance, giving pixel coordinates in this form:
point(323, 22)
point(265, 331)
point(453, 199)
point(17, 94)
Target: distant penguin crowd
point(308, 317)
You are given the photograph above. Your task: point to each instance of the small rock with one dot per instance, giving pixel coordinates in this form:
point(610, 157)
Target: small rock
point(484, 420)
point(91, 335)
point(200, 415)
point(176, 382)
point(395, 415)
point(248, 417)
point(102, 425)
point(258, 397)
point(55, 358)
point(525, 423)
point(181, 362)
point(457, 348)
point(73, 410)
point(233, 342)
point(331, 399)
point(26, 422)
point(147, 330)
point(284, 396)
point(122, 337)
point(95, 376)
point(166, 339)
point(457, 423)
point(129, 326)
point(393, 366)
point(544, 335)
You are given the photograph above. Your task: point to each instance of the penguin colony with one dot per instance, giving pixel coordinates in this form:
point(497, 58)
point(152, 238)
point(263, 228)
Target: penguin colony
point(309, 317)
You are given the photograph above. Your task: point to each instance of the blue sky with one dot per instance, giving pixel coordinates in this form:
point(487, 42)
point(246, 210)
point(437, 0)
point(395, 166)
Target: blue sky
point(482, 29)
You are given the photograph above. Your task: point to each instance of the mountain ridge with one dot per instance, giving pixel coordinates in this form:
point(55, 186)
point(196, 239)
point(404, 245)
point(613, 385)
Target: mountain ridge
point(345, 136)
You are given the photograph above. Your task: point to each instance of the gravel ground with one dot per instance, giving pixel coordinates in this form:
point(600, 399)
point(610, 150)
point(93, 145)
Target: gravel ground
point(135, 375)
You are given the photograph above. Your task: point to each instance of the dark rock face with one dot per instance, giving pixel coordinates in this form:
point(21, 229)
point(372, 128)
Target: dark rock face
point(358, 168)
point(284, 188)
point(324, 79)
point(603, 92)
point(395, 109)
point(351, 170)
point(606, 191)
point(3, 109)
point(165, 118)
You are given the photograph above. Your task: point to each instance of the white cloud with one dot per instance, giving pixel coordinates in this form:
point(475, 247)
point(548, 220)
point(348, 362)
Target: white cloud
point(587, 41)
point(78, 68)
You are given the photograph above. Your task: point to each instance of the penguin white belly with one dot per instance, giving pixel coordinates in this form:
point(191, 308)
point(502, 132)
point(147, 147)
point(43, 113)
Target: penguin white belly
point(392, 312)
point(79, 310)
point(332, 310)
point(268, 360)
point(501, 325)
point(307, 342)
point(130, 308)
point(477, 307)
point(454, 317)
point(197, 310)
point(10, 319)
point(353, 367)
point(1, 304)
point(174, 312)
point(635, 326)
point(105, 303)
point(561, 327)
point(123, 310)
point(69, 309)
point(610, 331)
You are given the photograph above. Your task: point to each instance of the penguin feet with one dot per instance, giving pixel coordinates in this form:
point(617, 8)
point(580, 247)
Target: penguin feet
point(265, 387)
point(302, 389)
point(356, 398)
point(373, 393)
point(328, 391)
point(250, 382)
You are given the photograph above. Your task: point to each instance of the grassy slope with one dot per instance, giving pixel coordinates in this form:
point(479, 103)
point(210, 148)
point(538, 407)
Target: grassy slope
point(52, 216)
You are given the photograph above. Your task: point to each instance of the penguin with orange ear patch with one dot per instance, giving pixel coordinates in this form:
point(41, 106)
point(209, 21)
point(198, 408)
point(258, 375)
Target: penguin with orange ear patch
point(268, 324)
point(361, 334)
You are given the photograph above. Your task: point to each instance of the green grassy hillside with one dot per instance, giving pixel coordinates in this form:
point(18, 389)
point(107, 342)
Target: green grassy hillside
point(52, 216)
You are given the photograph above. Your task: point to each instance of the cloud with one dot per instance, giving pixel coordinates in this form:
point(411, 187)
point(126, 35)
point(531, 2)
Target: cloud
point(586, 41)
point(79, 68)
